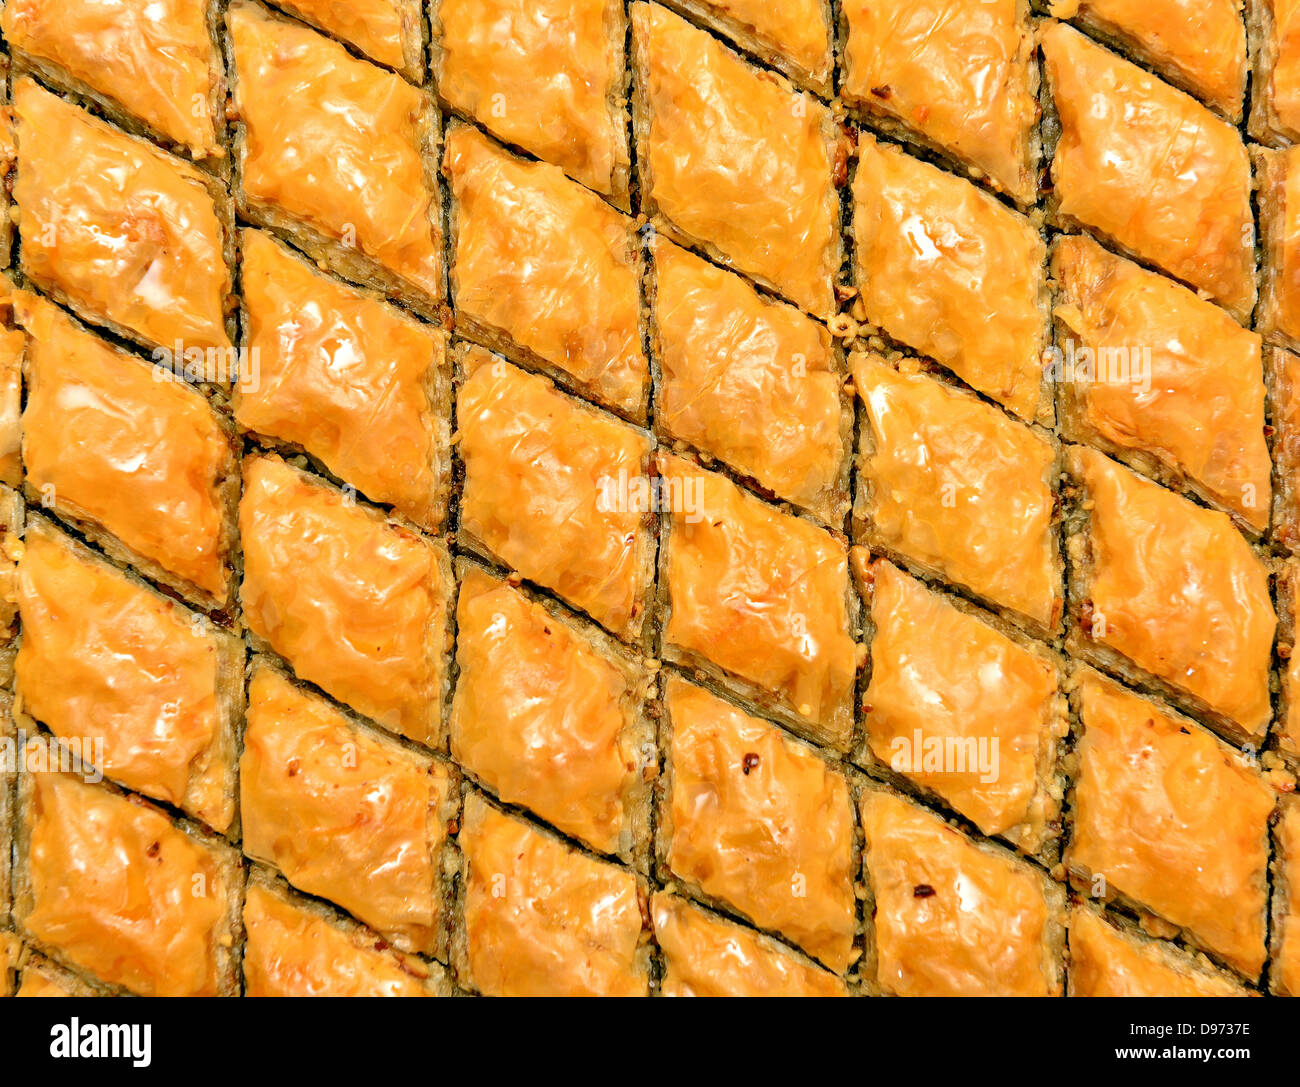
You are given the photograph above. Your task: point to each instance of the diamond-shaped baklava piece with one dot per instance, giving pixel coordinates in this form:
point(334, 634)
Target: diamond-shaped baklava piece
point(953, 273)
point(1275, 86)
point(794, 35)
point(958, 76)
point(347, 813)
point(355, 603)
point(1198, 45)
point(735, 161)
point(132, 454)
point(390, 32)
point(155, 64)
point(1169, 594)
point(1118, 960)
point(962, 709)
point(354, 382)
point(539, 918)
point(951, 917)
point(112, 886)
point(546, 272)
point(750, 381)
point(544, 75)
point(1160, 378)
point(758, 822)
point(1171, 820)
point(130, 237)
point(105, 659)
point(549, 714)
point(556, 490)
point(706, 955)
point(952, 486)
point(338, 155)
point(758, 599)
point(300, 947)
point(1151, 169)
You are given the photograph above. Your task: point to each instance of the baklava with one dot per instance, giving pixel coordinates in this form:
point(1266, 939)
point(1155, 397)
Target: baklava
point(708, 956)
point(1169, 820)
point(1169, 595)
point(153, 65)
point(735, 161)
point(550, 713)
point(130, 237)
point(557, 490)
point(952, 273)
point(357, 604)
point(759, 601)
point(337, 155)
point(1284, 971)
point(389, 32)
point(961, 709)
point(1163, 380)
point(757, 822)
point(950, 916)
point(347, 813)
point(299, 947)
point(544, 75)
point(539, 918)
point(1197, 45)
point(545, 272)
point(135, 457)
point(959, 77)
point(1110, 957)
point(950, 485)
point(106, 659)
point(750, 381)
point(1149, 169)
point(110, 885)
point(352, 381)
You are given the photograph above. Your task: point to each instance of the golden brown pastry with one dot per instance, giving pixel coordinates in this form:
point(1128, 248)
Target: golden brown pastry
point(963, 710)
point(353, 381)
point(157, 58)
point(1284, 974)
point(1200, 45)
point(957, 74)
point(735, 161)
point(345, 813)
point(705, 955)
point(387, 31)
point(546, 272)
point(1109, 961)
point(952, 918)
point(127, 235)
point(548, 716)
point(758, 821)
point(759, 598)
point(750, 381)
point(951, 484)
point(103, 658)
point(1162, 378)
point(116, 443)
point(1151, 169)
point(335, 151)
point(544, 75)
point(1175, 590)
point(1171, 819)
point(354, 603)
point(123, 893)
point(553, 489)
point(953, 273)
point(293, 951)
point(540, 918)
